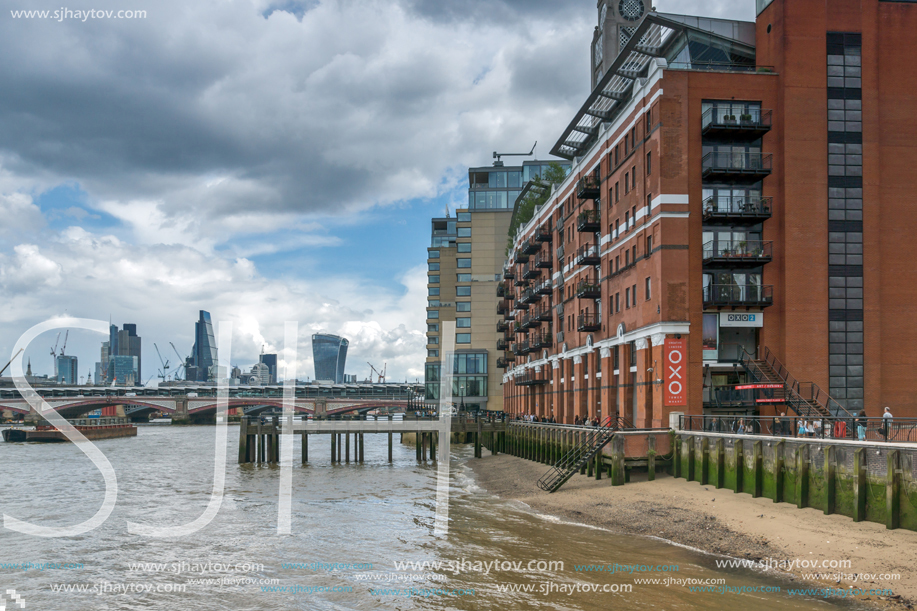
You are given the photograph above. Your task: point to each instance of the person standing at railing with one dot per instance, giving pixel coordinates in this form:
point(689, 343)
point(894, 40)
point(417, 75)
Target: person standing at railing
point(817, 429)
point(861, 426)
point(886, 423)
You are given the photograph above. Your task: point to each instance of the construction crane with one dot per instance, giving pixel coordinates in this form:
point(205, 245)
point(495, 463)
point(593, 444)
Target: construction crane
point(499, 164)
point(181, 361)
point(374, 371)
point(164, 372)
point(11, 360)
point(54, 354)
point(64, 347)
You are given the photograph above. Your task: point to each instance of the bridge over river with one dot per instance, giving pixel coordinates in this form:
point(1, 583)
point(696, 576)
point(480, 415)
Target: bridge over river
point(199, 403)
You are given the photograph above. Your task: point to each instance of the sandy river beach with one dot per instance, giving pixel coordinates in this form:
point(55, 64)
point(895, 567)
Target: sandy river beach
point(721, 522)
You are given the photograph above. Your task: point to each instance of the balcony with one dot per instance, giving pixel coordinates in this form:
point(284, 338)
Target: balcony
point(720, 121)
point(732, 167)
point(520, 348)
point(589, 289)
point(588, 255)
point(544, 261)
point(738, 295)
point(530, 247)
point(503, 306)
point(545, 288)
point(520, 257)
point(502, 326)
point(503, 362)
point(529, 296)
point(508, 273)
point(589, 221)
point(537, 341)
point(517, 328)
point(544, 314)
point(588, 187)
point(560, 253)
point(531, 321)
point(588, 322)
point(501, 344)
point(734, 211)
point(530, 377)
point(725, 254)
point(544, 234)
point(501, 290)
point(530, 272)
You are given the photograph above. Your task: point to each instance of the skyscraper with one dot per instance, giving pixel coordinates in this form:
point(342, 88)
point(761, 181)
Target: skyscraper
point(203, 360)
point(129, 345)
point(67, 370)
point(329, 353)
point(271, 361)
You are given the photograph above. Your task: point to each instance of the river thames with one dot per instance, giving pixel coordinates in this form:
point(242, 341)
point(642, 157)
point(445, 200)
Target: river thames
point(362, 538)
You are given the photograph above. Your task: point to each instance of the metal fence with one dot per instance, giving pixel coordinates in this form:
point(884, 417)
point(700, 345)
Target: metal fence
point(853, 429)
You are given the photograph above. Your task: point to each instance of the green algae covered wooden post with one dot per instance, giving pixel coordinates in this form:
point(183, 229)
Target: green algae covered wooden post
point(859, 485)
point(892, 486)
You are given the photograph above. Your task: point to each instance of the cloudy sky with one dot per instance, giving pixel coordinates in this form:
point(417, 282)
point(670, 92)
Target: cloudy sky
point(265, 161)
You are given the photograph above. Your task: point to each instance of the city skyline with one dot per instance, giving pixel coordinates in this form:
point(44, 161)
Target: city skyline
point(247, 235)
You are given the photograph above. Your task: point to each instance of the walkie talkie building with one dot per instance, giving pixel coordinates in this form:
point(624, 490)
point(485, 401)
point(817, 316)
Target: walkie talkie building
point(329, 352)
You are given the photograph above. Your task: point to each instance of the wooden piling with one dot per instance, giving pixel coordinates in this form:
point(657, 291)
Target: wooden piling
point(333, 447)
point(830, 491)
point(859, 485)
point(305, 447)
point(892, 490)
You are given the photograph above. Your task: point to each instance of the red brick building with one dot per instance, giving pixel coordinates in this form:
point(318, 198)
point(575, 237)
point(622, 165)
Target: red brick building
point(740, 203)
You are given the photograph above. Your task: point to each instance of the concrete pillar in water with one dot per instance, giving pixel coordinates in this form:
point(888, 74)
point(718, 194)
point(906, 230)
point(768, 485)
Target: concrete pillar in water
point(390, 447)
point(333, 447)
point(347, 447)
point(305, 447)
point(243, 440)
point(361, 447)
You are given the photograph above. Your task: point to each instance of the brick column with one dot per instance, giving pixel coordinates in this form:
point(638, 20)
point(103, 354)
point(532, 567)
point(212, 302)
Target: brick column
point(556, 388)
point(569, 393)
point(607, 384)
point(644, 411)
point(579, 388)
point(625, 384)
point(660, 414)
point(592, 384)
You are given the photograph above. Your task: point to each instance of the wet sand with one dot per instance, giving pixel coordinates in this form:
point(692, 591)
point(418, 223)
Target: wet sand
point(719, 522)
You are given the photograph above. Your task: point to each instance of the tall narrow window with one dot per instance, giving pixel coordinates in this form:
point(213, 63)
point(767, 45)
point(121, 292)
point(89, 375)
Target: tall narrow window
point(633, 184)
point(626, 183)
point(649, 293)
point(649, 163)
point(627, 298)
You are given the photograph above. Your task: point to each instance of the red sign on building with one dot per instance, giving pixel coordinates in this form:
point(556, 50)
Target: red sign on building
point(676, 367)
point(751, 386)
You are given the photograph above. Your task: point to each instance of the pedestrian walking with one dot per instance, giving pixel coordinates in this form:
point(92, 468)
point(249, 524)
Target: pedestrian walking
point(861, 426)
point(886, 423)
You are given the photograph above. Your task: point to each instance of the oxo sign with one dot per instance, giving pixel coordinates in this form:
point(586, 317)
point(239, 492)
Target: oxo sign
point(676, 360)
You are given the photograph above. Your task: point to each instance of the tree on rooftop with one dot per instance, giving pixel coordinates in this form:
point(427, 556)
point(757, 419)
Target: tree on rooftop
point(536, 196)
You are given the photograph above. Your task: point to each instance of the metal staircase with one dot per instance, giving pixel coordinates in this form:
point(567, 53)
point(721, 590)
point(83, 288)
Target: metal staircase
point(806, 399)
point(578, 456)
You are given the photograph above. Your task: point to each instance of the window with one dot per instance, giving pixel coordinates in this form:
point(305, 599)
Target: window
point(614, 356)
point(433, 279)
point(463, 323)
point(617, 262)
point(433, 254)
point(463, 338)
point(633, 293)
point(626, 220)
point(626, 258)
point(633, 178)
point(464, 232)
point(463, 263)
point(649, 121)
point(634, 256)
point(463, 247)
point(649, 287)
point(649, 244)
point(633, 137)
point(433, 267)
point(633, 354)
point(433, 328)
point(626, 183)
point(463, 291)
point(649, 203)
point(463, 277)
point(649, 164)
point(433, 340)
point(432, 314)
point(433, 303)
point(633, 215)
point(617, 228)
point(463, 217)
point(617, 302)
point(433, 291)
point(433, 353)
point(627, 298)
point(463, 306)
point(617, 192)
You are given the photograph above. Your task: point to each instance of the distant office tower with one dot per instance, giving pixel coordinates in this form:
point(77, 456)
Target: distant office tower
point(122, 370)
point(201, 366)
point(262, 373)
point(112, 339)
point(329, 353)
point(67, 372)
point(100, 371)
point(102, 365)
point(129, 345)
point(271, 361)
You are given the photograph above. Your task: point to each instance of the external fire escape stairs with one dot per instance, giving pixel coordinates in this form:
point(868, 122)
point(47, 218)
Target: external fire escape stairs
point(806, 399)
point(580, 455)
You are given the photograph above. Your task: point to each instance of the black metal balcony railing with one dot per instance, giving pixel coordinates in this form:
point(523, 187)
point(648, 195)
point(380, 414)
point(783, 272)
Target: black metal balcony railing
point(531, 320)
point(726, 121)
point(508, 273)
point(530, 247)
point(588, 322)
point(503, 306)
point(517, 328)
point(588, 255)
point(502, 363)
point(728, 210)
point(501, 344)
point(737, 253)
point(520, 256)
point(544, 234)
point(529, 296)
point(530, 377)
point(545, 288)
point(544, 261)
point(589, 221)
point(544, 314)
point(501, 290)
point(530, 272)
point(759, 295)
point(736, 167)
point(588, 187)
point(539, 340)
point(588, 289)
point(520, 348)
point(502, 326)
point(520, 281)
